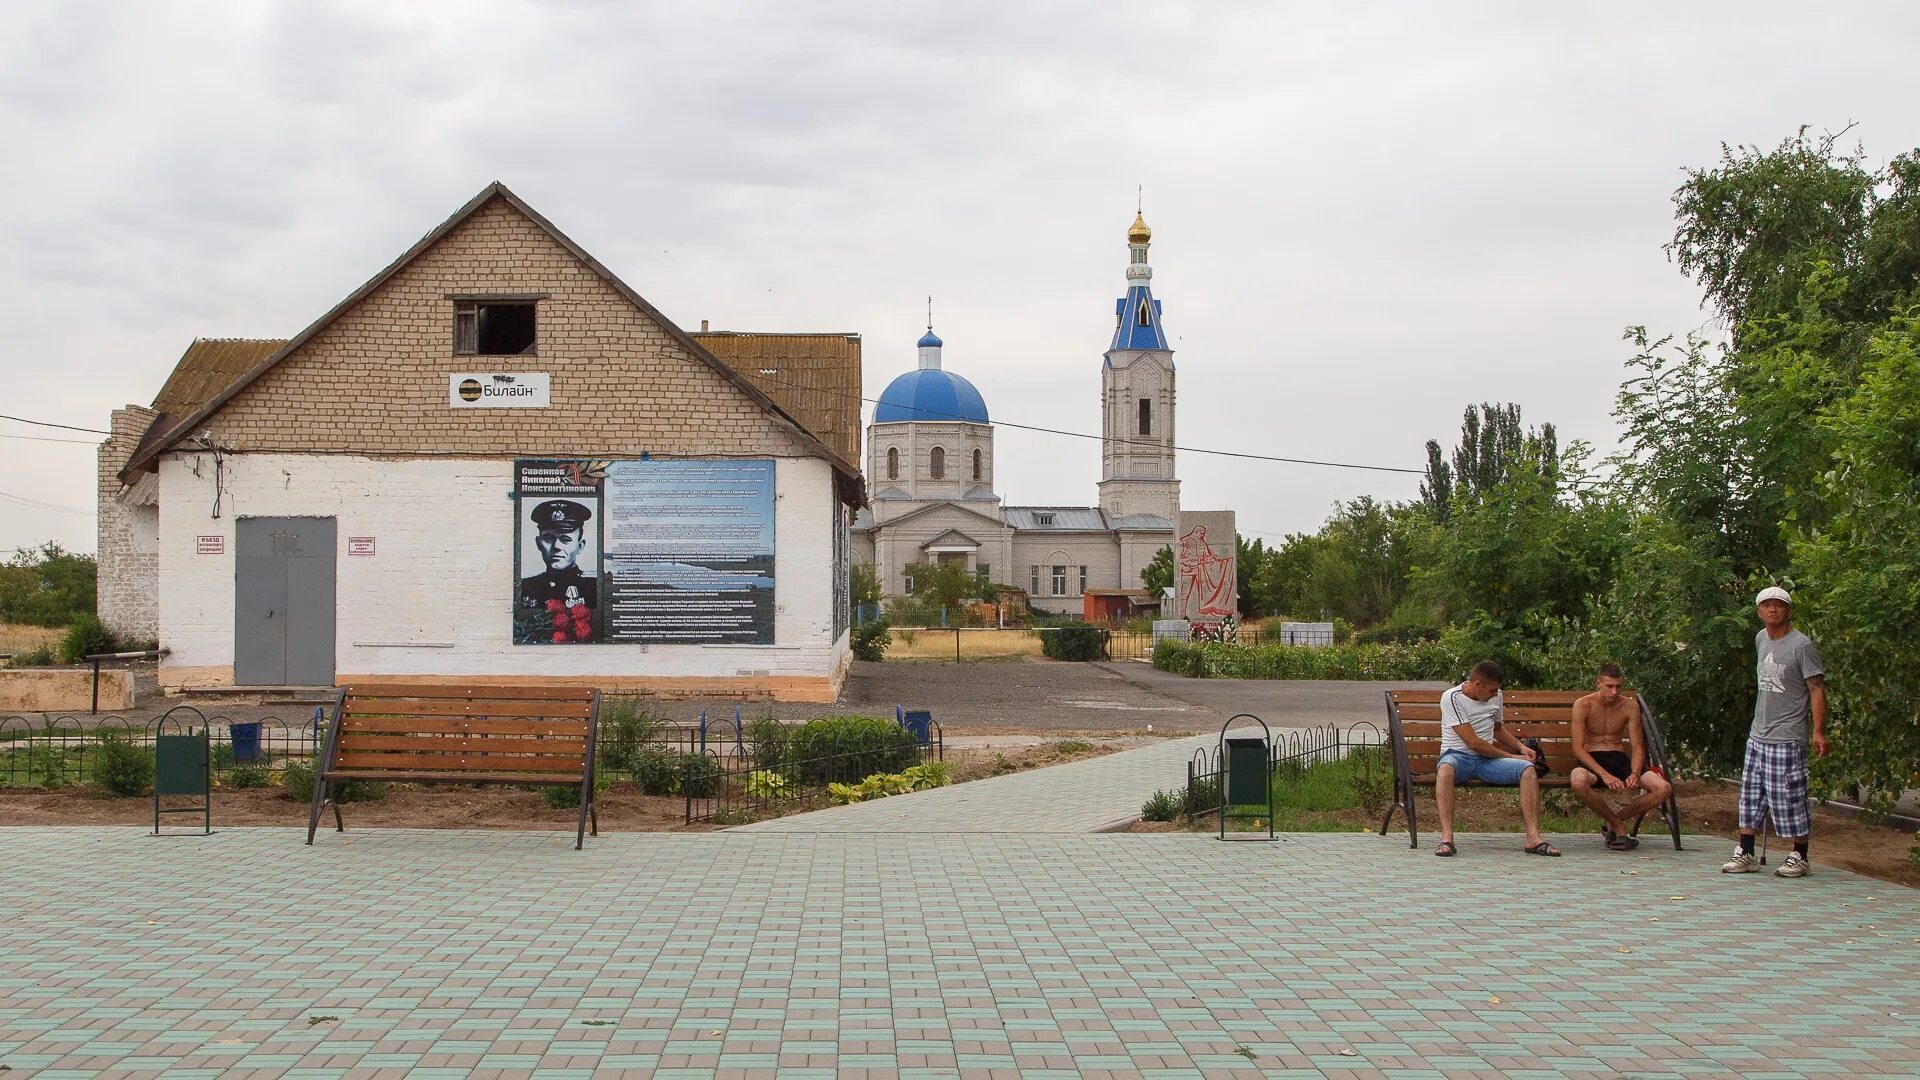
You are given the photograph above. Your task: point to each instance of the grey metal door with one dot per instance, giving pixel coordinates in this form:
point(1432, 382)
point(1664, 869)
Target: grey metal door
point(283, 602)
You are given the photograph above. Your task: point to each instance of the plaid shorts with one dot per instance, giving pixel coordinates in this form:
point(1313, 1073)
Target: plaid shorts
point(1774, 780)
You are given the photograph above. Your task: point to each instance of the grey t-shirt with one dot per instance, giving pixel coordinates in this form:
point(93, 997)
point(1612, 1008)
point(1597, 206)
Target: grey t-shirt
point(1781, 712)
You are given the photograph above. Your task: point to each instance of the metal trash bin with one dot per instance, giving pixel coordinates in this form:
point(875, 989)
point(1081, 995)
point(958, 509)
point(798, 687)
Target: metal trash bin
point(246, 740)
point(919, 724)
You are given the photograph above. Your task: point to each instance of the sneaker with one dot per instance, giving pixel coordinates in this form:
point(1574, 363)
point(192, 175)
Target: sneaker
point(1743, 862)
point(1795, 866)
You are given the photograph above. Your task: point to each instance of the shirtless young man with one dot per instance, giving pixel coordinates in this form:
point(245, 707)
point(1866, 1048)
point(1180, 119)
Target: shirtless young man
point(1612, 751)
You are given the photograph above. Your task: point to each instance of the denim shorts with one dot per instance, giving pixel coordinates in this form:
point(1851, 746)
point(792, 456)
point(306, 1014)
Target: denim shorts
point(1467, 765)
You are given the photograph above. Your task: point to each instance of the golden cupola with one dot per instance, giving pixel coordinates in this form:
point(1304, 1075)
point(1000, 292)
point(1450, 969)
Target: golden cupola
point(1138, 233)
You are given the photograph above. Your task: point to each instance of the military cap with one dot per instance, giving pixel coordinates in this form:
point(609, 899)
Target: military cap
point(561, 514)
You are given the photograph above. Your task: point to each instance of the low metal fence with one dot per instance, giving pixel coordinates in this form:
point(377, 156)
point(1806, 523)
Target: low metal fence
point(61, 751)
point(1289, 756)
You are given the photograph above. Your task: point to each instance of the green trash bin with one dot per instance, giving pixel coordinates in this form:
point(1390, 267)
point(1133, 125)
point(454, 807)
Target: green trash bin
point(1247, 777)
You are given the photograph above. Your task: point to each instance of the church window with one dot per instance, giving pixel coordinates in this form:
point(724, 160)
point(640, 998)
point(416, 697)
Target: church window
point(1043, 519)
point(985, 570)
point(1034, 581)
point(978, 457)
point(1140, 256)
point(1146, 416)
point(1059, 581)
point(1083, 580)
point(937, 464)
point(1146, 314)
point(893, 463)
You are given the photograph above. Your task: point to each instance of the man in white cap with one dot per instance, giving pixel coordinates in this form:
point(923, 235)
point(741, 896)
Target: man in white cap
point(1773, 783)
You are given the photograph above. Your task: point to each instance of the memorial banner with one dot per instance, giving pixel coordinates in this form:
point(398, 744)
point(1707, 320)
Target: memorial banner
point(682, 551)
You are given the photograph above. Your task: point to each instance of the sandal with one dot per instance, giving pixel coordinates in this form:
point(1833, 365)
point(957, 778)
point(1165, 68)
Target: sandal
point(1445, 849)
point(1543, 848)
point(1619, 842)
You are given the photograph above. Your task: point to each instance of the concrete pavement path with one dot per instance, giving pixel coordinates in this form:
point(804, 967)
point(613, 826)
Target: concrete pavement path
point(740, 955)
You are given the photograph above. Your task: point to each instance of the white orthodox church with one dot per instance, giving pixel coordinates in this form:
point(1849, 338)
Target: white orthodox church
point(930, 466)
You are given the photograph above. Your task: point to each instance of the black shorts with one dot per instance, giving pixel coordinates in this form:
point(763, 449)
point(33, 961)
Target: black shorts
point(1614, 761)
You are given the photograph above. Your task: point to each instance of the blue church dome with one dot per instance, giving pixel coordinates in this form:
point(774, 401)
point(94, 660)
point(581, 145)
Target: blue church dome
point(930, 394)
point(929, 339)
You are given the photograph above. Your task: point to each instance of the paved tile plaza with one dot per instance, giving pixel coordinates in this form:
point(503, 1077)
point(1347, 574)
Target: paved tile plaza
point(793, 954)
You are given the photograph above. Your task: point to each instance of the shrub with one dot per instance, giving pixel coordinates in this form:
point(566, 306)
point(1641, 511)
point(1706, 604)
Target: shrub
point(50, 765)
point(1162, 806)
point(122, 768)
point(38, 656)
point(1425, 660)
point(86, 636)
point(1071, 746)
point(845, 748)
point(567, 796)
point(1372, 778)
point(700, 775)
point(767, 740)
point(931, 774)
point(870, 640)
point(768, 784)
point(220, 755)
point(1077, 642)
point(1203, 796)
point(656, 770)
point(249, 775)
point(298, 779)
point(624, 728)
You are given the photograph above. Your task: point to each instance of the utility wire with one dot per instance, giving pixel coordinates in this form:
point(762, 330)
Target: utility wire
point(44, 423)
point(932, 414)
point(36, 504)
point(46, 438)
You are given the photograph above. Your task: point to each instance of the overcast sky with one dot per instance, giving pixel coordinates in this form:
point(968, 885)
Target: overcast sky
point(1365, 216)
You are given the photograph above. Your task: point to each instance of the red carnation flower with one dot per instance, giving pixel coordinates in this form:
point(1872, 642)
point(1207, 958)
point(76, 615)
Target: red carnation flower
point(556, 605)
point(559, 637)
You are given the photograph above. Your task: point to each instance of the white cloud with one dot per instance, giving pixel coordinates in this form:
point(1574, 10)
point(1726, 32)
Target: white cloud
point(1366, 216)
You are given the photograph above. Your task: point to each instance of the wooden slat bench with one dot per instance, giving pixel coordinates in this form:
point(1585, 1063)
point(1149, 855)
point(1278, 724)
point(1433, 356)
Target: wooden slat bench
point(402, 733)
point(1413, 733)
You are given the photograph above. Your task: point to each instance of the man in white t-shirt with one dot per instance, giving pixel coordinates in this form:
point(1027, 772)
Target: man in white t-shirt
point(1475, 745)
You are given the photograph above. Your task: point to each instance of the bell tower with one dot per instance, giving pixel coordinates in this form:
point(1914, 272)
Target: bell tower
point(1137, 398)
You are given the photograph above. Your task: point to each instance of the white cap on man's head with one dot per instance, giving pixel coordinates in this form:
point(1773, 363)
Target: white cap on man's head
point(1773, 592)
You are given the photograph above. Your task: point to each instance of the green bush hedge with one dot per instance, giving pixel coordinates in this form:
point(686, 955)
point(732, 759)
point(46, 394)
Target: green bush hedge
point(864, 745)
point(121, 767)
point(870, 640)
point(1423, 660)
point(1076, 642)
point(624, 728)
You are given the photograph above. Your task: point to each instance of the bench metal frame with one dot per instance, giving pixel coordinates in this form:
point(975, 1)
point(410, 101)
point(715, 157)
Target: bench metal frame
point(325, 769)
point(1404, 781)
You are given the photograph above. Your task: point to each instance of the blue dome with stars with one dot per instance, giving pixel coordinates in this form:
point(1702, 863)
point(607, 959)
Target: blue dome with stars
point(930, 394)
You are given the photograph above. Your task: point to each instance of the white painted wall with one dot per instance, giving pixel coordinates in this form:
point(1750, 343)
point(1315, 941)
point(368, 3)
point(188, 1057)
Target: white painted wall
point(437, 597)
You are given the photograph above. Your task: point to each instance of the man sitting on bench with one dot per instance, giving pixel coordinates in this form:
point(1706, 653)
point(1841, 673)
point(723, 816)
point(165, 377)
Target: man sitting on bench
point(1612, 751)
point(1475, 745)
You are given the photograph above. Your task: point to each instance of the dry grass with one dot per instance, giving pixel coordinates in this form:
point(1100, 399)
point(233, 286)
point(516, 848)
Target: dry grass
point(974, 644)
point(19, 637)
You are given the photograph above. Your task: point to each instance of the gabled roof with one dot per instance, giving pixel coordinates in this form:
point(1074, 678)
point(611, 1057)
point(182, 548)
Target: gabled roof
point(931, 507)
point(1064, 518)
point(814, 377)
point(208, 366)
point(950, 538)
point(848, 474)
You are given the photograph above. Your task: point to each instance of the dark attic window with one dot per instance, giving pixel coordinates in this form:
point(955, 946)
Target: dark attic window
point(493, 328)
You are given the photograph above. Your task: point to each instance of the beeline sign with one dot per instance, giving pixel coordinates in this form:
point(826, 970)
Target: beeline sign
point(499, 390)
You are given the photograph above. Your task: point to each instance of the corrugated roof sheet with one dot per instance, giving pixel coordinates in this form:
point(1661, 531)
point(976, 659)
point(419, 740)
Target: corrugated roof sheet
point(209, 366)
point(814, 377)
point(1063, 518)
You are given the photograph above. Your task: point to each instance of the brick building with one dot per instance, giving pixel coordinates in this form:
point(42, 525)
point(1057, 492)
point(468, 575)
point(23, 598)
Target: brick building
point(494, 460)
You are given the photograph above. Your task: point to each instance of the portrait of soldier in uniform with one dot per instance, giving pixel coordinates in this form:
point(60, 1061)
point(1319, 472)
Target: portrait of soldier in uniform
point(560, 539)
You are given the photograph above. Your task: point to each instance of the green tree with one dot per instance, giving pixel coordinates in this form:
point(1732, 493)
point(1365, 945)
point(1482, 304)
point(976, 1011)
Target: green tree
point(1157, 576)
point(1250, 555)
point(943, 585)
point(47, 586)
point(863, 584)
point(1859, 570)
